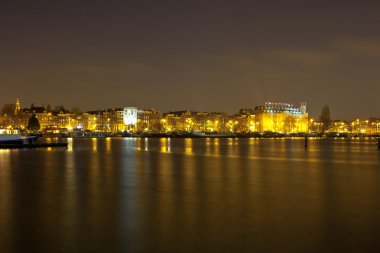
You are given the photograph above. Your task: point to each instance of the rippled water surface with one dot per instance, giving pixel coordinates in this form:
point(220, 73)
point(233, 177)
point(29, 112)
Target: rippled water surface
point(192, 195)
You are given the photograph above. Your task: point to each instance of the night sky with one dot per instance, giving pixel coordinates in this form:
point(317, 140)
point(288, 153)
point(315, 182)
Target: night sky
point(199, 55)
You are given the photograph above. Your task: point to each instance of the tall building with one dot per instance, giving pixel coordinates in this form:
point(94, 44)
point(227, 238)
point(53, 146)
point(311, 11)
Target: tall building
point(17, 107)
point(281, 118)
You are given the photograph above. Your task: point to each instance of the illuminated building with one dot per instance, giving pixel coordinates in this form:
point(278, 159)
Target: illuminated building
point(216, 122)
point(130, 116)
point(359, 126)
point(315, 126)
point(338, 126)
point(148, 121)
point(189, 122)
point(243, 122)
point(186, 121)
point(104, 121)
point(87, 121)
point(374, 126)
point(17, 107)
point(137, 120)
point(249, 122)
point(178, 121)
point(116, 120)
point(281, 118)
point(64, 121)
point(200, 121)
point(237, 123)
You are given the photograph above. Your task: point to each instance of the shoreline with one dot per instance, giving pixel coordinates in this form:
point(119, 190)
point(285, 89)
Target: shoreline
point(222, 136)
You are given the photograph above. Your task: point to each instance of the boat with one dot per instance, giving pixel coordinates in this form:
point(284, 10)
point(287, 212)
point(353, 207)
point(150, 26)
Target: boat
point(213, 135)
point(32, 145)
point(13, 136)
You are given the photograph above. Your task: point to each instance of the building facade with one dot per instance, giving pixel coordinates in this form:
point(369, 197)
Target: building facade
point(281, 118)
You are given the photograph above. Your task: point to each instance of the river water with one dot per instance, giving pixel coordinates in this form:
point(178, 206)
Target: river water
point(192, 195)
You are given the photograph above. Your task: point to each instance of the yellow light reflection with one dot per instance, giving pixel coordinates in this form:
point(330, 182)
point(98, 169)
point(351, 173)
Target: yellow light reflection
point(169, 145)
point(208, 146)
point(5, 151)
point(216, 147)
point(70, 199)
point(146, 144)
point(231, 148)
point(108, 144)
point(189, 146)
point(70, 144)
point(164, 145)
point(5, 192)
point(138, 144)
point(94, 144)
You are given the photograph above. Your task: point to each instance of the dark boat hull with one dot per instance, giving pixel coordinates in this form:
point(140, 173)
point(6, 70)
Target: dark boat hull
point(12, 142)
point(27, 140)
point(32, 145)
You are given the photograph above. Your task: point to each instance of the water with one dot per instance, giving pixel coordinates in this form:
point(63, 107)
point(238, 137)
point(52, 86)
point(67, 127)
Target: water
point(192, 195)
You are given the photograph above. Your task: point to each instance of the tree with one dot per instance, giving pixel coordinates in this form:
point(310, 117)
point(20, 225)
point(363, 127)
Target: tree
point(33, 123)
point(48, 108)
point(325, 118)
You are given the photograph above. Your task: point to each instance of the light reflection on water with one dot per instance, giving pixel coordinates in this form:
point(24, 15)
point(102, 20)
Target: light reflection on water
point(70, 144)
point(94, 144)
point(189, 146)
point(165, 145)
point(191, 195)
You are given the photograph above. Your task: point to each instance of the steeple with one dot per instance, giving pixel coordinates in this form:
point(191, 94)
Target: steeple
point(303, 107)
point(17, 107)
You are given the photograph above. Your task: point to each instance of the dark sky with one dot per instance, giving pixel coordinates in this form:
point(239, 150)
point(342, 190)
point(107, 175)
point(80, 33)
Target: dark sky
point(199, 55)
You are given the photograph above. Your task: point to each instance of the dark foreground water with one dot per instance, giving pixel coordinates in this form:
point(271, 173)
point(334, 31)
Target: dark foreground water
point(191, 195)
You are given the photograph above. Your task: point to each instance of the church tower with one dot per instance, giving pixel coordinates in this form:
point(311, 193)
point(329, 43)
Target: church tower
point(18, 107)
point(303, 107)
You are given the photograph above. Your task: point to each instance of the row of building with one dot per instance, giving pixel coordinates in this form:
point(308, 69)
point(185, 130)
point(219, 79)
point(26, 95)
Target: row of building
point(270, 117)
point(369, 126)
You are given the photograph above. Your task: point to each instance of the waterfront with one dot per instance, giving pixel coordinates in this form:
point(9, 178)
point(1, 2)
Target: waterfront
point(192, 195)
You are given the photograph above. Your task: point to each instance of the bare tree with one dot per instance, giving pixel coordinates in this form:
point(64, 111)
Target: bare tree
point(325, 118)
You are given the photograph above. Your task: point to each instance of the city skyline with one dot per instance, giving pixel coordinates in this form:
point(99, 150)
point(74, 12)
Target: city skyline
point(213, 56)
point(271, 117)
point(53, 106)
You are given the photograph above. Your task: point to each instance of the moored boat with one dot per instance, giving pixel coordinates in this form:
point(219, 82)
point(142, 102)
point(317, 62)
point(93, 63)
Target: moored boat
point(213, 134)
point(13, 136)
